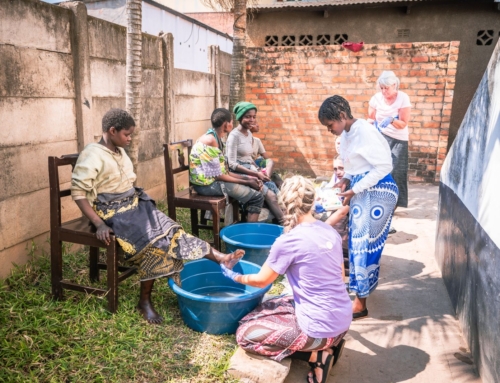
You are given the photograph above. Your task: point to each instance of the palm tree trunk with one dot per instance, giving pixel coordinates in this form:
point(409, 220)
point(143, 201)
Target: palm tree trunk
point(134, 72)
point(238, 62)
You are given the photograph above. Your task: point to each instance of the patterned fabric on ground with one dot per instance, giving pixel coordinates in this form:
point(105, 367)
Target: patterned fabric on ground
point(272, 330)
point(369, 221)
point(399, 153)
point(149, 239)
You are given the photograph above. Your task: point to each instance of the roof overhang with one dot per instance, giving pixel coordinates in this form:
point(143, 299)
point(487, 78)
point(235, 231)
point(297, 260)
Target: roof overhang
point(325, 5)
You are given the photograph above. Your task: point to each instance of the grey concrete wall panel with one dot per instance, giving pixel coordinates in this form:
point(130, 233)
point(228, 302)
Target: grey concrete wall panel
point(43, 26)
point(108, 78)
point(152, 116)
point(193, 108)
point(54, 119)
point(224, 84)
point(107, 40)
point(35, 73)
point(20, 221)
point(225, 101)
point(151, 51)
point(192, 129)
point(151, 144)
point(225, 62)
point(427, 21)
point(151, 173)
point(152, 83)
point(192, 83)
point(468, 239)
point(27, 160)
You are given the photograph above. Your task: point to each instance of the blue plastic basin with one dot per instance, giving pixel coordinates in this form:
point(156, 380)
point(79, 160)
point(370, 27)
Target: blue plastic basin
point(212, 303)
point(255, 238)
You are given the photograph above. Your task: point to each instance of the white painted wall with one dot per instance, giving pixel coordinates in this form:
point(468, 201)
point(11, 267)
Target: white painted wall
point(471, 168)
point(191, 41)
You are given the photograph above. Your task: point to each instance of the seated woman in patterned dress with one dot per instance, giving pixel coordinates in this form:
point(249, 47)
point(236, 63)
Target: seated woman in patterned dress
point(102, 185)
point(208, 171)
point(310, 324)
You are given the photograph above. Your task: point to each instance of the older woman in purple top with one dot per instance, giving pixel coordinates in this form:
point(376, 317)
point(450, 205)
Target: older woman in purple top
point(311, 324)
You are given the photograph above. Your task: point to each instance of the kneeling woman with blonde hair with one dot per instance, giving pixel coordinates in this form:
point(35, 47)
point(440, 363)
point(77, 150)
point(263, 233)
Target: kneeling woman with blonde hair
point(310, 324)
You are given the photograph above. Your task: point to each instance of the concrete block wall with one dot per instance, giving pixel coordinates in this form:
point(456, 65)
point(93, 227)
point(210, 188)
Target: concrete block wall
point(37, 110)
point(60, 71)
point(468, 239)
point(288, 85)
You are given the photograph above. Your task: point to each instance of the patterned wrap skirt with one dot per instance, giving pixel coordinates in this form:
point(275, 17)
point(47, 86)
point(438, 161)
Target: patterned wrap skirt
point(150, 240)
point(370, 218)
point(399, 153)
point(272, 330)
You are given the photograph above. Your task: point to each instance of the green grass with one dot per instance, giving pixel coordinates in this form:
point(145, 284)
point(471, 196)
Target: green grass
point(78, 340)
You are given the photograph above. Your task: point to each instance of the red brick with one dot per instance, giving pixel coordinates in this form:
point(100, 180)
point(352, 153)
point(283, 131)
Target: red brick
point(258, 90)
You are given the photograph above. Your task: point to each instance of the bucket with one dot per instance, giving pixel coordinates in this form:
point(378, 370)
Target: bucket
point(255, 238)
point(209, 302)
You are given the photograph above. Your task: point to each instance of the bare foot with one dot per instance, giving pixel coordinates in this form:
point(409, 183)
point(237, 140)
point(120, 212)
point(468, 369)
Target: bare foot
point(149, 313)
point(230, 260)
point(319, 371)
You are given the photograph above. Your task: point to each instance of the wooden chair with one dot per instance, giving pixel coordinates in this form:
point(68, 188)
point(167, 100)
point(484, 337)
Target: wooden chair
point(80, 231)
point(188, 198)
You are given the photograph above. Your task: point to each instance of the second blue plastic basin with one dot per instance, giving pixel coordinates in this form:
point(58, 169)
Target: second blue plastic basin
point(212, 303)
point(255, 238)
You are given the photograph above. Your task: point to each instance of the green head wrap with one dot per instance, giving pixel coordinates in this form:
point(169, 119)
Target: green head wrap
point(241, 108)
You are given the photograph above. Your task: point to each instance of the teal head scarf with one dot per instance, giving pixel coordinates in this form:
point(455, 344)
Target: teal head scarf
point(241, 108)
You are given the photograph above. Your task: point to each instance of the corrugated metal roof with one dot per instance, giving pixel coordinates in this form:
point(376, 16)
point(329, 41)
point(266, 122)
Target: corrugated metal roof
point(323, 4)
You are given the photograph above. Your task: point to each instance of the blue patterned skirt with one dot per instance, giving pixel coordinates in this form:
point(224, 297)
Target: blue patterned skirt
point(370, 217)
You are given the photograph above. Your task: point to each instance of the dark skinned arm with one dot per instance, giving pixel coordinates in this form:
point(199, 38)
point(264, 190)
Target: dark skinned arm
point(103, 230)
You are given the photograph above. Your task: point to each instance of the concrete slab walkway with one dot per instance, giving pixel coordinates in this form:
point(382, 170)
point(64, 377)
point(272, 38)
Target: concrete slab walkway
point(412, 334)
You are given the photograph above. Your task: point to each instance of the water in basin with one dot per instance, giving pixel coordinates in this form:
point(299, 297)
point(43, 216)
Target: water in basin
point(219, 291)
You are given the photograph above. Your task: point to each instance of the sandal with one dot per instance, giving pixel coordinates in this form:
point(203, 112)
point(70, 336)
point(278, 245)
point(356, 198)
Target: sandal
point(337, 351)
point(326, 367)
point(360, 314)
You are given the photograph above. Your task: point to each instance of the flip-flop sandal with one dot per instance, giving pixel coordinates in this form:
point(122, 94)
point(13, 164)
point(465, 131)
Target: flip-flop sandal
point(337, 351)
point(326, 367)
point(360, 314)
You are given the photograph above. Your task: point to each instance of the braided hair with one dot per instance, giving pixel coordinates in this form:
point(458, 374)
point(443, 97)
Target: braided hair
point(297, 199)
point(331, 108)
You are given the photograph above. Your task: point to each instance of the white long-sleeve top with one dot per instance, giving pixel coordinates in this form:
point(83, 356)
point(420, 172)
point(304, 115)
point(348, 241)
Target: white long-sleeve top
point(364, 149)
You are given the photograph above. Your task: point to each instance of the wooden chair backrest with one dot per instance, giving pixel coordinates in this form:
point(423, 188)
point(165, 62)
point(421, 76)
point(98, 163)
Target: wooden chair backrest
point(55, 188)
point(176, 156)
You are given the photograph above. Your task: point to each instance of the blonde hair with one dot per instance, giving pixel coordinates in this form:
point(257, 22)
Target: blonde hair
point(297, 199)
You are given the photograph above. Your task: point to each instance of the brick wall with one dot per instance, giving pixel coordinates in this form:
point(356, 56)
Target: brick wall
point(288, 85)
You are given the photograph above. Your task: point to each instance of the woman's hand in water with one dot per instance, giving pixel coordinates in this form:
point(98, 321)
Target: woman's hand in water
point(347, 197)
point(342, 184)
point(103, 233)
point(228, 273)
